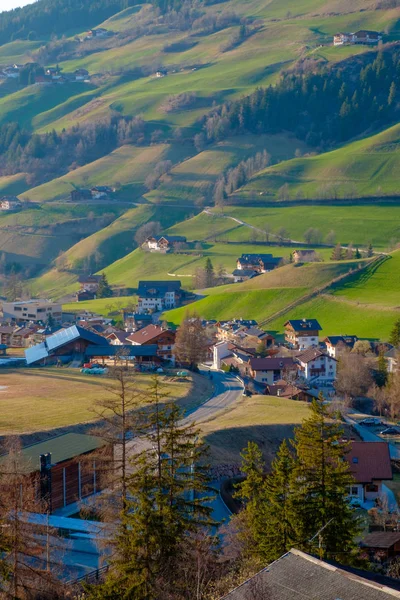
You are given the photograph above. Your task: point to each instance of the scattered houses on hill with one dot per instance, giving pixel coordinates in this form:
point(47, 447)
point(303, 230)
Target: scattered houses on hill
point(260, 263)
point(164, 243)
point(301, 334)
point(158, 295)
point(359, 37)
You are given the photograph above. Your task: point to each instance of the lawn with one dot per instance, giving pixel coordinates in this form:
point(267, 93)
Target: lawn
point(257, 304)
point(102, 306)
point(46, 398)
point(376, 285)
point(358, 224)
point(265, 420)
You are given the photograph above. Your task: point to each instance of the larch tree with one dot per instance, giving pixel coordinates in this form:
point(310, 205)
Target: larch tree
point(394, 338)
point(191, 342)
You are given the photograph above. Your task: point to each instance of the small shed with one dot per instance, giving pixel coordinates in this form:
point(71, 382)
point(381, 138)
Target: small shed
point(382, 545)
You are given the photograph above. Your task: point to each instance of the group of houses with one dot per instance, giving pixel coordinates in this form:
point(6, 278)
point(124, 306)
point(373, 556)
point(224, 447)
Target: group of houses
point(164, 243)
point(359, 37)
point(100, 33)
point(47, 76)
point(251, 265)
point(97, 192)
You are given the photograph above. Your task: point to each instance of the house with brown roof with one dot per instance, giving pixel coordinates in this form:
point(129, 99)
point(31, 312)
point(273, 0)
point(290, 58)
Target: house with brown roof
point(164, 243)
point(370, 466)
point(381, 545)
point(301, 334)
point(154, 334)
point(316, 365)
point(89, 282)
point(284, 389)
point(260, 263)
point(271, 369)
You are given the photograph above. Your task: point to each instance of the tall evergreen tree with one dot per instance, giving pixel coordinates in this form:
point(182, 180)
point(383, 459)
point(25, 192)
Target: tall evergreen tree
point(394, 338)
point(210, 274)
point(321, 478)
point(104, 290)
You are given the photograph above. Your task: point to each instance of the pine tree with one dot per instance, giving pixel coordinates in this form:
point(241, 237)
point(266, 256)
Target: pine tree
point(104, 290)
point(381, 376)
point(321, 478)
point(370, 250)
point(210, 275)
point(357, 254)
point(394, 338)
point(278, 513)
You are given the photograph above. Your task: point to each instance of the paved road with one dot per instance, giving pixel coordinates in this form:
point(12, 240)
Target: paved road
point(227, 390)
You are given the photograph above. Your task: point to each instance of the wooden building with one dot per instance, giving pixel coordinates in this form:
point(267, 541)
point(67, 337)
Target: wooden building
point(62, 470)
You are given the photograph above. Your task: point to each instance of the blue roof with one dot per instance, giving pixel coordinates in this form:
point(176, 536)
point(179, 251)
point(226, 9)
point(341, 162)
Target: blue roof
point(126, 351)
point(302, 324)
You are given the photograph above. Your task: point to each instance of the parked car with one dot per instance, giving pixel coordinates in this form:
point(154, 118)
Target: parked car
point(371, 422)
point(390, 431)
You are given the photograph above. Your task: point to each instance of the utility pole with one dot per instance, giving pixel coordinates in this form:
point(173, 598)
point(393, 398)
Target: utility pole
point(320, 538)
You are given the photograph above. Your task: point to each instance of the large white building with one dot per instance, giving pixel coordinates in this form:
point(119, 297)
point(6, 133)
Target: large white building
point(158, 295)
point(31, 310)
point(316, 366)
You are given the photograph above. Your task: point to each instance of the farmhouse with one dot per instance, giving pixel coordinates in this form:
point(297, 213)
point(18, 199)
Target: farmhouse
point(158, 295)
point(382, 545)
point(260, 263)
point(63, 470)
point(65, 345)
point(304, 256)
point(154, 334)
point(81, 75)
point(31, 310)
point(301, 334)
point(10, 203)
point(359, 37)
point(100, 32)
point(315, 365)
point(240, 275)
point(100, 191)
point(164, 243)
point(283, 389)
point(338, 344)
point(89, 283)
point(298, 575)
point(270, 370)
point(370, 466)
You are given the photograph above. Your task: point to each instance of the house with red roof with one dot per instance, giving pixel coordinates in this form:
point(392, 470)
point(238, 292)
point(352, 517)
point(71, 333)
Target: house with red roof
point(370, 466)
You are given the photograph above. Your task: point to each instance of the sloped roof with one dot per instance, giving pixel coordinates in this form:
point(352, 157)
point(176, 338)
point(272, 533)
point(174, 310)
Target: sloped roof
point(62, 447)
point(243, 272)
point(311, 354)
point(125, 351)
point(298, 575)
point(154, 289)
point(270, 364)
point(150, 332)
point(334, 340)
point(60, 339)
point(381, 539)
point(369, 461)
point(304, 324)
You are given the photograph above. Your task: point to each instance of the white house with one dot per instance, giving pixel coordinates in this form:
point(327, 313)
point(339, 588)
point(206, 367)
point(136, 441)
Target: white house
point(270, 370)
point(338, 344)
point(158, 295)
point(314, 364)
point(301, 334)
point(370, 466)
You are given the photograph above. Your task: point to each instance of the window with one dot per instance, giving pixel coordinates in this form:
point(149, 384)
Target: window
point(17, 308)
point(353, 490)
point(355, 460)
point(371, 487)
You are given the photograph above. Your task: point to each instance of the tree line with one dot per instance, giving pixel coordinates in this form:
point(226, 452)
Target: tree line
point(43, 156)
point(324, 107)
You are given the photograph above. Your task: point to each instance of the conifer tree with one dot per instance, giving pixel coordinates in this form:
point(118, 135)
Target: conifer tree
point(321, 478)
point(381, 376)
point(278, 512)
point(370, 250)
point(357, 254)
point(104, 290)
point(395, 334)
point(337, 253)
point(210, 275)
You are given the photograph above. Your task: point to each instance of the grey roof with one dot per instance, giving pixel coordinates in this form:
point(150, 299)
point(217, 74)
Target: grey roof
point(297, 575)
point(170, 238)
point(62, 447)
point(381, 539)
point(59, 339)
point(392, 353)
point(156, 289)
point(259, 258)
point(125, 350)
point(334, 340)
point(244, 272)
point(271, 364)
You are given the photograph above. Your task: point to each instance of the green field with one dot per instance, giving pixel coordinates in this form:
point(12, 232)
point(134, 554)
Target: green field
point(358, 224)
point(368, 167)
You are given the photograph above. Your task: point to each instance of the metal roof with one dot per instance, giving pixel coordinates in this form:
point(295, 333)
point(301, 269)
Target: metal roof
point(59, 339)
point(62, 447)
point(124, 351)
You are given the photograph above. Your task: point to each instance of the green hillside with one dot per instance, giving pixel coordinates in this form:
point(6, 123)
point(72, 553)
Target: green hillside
point(368, 167)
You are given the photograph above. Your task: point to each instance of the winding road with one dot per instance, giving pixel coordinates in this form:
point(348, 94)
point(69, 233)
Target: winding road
point(227, 390)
